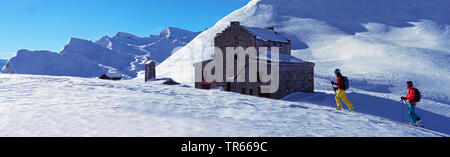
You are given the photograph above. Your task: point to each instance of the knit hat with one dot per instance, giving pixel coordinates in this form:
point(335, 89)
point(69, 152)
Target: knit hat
point(337, 71)
point(410, 83)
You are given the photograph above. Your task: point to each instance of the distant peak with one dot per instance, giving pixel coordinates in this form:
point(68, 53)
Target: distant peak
point(123, 35)
point(171, 32)
point(76, 40)
point(165, 33)
point(105, 41)
point(105, 37)
point(26, 50)
point(22, 52)
point(175, 28)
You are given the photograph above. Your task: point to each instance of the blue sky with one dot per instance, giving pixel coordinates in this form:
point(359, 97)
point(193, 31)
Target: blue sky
point(49, 24)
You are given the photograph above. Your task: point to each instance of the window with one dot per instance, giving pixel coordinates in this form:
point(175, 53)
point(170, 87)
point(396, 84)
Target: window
point(243, 91)
point(303, 76)
point(310, 76)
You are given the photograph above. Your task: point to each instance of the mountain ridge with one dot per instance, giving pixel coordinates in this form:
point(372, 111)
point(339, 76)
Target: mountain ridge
point(123, 54)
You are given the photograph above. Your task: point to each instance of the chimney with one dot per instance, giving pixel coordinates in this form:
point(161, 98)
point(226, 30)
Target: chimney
point(237, 23)
point(150, 72)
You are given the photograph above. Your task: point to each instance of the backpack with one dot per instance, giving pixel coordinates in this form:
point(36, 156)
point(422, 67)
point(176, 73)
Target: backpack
point(346, 83)
point(417, 95)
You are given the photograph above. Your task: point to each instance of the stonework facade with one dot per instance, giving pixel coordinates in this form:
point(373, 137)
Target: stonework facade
point(295, 75)
point(150, 72)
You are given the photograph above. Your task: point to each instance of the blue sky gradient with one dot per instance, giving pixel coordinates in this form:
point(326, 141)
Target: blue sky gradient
point(49, 24)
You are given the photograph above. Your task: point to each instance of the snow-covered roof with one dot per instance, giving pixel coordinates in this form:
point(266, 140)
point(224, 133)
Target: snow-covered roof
point(149, 62)
point(113, 74)
point(266, 34)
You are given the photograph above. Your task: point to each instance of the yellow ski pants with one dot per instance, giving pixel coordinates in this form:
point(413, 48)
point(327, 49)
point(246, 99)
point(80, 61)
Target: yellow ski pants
point(341, 95)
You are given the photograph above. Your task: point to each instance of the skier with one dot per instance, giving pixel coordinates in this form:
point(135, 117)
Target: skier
point(414, 118)
point(341, 92)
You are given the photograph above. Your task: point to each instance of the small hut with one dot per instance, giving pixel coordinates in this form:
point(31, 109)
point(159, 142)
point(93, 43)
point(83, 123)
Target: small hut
point(106, 77)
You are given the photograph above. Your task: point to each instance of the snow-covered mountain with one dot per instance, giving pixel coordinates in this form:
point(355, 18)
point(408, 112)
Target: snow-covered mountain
point(378, 44)
point(51, 63)
point(169, 39)
point(124, 54)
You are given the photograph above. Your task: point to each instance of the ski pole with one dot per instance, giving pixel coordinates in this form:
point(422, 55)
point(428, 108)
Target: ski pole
point(332, 86)
point(402, 112)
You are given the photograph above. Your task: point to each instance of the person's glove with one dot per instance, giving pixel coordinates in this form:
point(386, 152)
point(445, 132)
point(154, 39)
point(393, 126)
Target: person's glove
point(332, 82)
point(403, 98)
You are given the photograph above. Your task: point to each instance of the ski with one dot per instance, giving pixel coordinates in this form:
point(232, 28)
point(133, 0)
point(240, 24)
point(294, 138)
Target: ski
point(419, 126)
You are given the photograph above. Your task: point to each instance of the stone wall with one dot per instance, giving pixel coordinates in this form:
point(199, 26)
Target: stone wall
point(295, 77)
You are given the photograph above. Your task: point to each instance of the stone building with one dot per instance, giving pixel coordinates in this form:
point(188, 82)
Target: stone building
point(295, 75)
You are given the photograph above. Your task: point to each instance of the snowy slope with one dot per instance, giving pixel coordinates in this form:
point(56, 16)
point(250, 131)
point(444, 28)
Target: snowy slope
point(435, 115)
point(35, 105)
point(379, 45)
point(124, 54)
